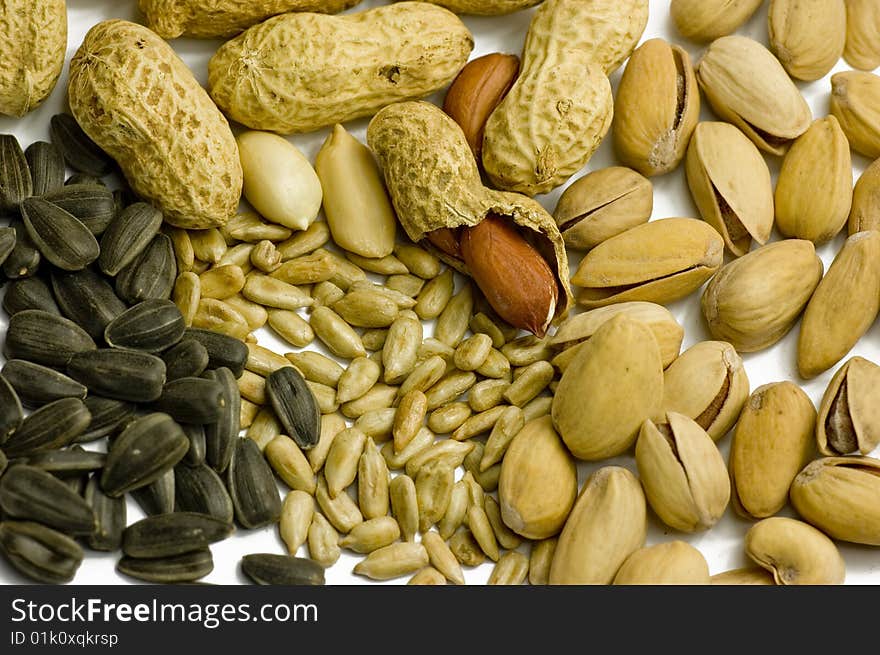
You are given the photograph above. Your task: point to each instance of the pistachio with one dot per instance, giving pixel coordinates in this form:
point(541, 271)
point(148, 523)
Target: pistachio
point(795, 552)
point(753, 301)
point(807, 36)
point(705, 20)
point(862, 50)
point(730, 183)
point(813, 200)
point(773, 441)
point(848, 420)
point(621, 366)
point(683, 473)
point(842, 307)
point(865, 212)
point(670, 563)
point(748, 575)
point(855, 102)
point(747, 86)
point(660, 261)
point(708, 383)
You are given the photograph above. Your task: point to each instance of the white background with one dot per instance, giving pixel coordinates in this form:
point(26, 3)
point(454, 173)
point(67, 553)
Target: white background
point(723, 545)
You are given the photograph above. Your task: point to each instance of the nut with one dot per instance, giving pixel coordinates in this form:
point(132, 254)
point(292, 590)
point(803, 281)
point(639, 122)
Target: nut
point(705, 20)
point(848, 416)
point(855, 98)
point(795, 552)
point(865, 212)
point(674, 562)
point(862, 49)
point(485, 7)
point(807, 36)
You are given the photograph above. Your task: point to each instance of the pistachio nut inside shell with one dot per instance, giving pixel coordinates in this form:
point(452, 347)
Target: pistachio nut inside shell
point(670, 563)
point(731, 185)
point(795, 552)
point(747, 86)
point(708, 383)
point(772, 442)
point(839, 495)
point(656, 109)
point(683, 473)
point(606, 524)
point(614, 383)
point(602, 204)
point(849, 414)
point(753, 301)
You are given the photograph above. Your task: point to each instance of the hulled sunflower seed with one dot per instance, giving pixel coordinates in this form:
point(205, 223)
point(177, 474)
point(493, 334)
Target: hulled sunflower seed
point(297, 512)
point(152, 325)
point(88, 299)
point(372, 478)
point(331, 425)
point(427, 576)
point(511, 569)
point(183, 249)
point(509, 423)
point(506, 537)
point(405, 505)
point(379, 396)
point(43, 338)
point(51, 426)
point(315, 367)
point(449, 417)
point(151, 274)
point(60, 237)
point(263, 361)
point(405, 283)
point(442, 557)
point(395, 461)
point(447, 451)
point(32, 494)
point(199, 489)
point(291, 327)
point(341, 511)
point(29, 293)
point(341, 465)
point(325, 397)
point(24, 258)
point(481, 323)
point(400, 352)
point(487, 394)
point(367, 309)
point(418, 260)
point(223, 350)
point(540, 558)
point(209, 245)
point(192, 400)
point(459, 500)
point(255, 315)
point(409, 418)
point(92, 205)
point(487, 479)
point(452, 324)
point(176, 568)
point(339, 337)
point(187, 294)
point(360, 376)
point(46, 164)
point(143, 451)
point(264, 427)
point(377, 424)
point(496, 366)
point(472, 353)
point(393, 561)
point(252, 487)
point(388, 265)
point(127, 236)
point(15, 176)
point(270, 569)
point(108, 416)
point(110, 517)
point(371, 535)
point(222, 281)
point(449, 387)
point(271, 292)
point(120, 374)
point(434, 482)
point(323, 541)
point(165, 535)
point(326, 293)
point(294, 405)
point(305, 242)
point(158, 497)
point(265, 256)
point(39, 552)
point(247, 415)
point(188, 358)
point(221, 435)
point(481, 528)
point(479, 423)
point(80, 152)
point(11, 413)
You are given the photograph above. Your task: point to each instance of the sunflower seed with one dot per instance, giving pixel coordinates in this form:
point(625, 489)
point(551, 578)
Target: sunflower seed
point(509, 423)
point(84, 179)
point(208, 245)
point(448, 451)
point(70, 461)
point(29, 293)
point(121, 374)
point(316, 367)
point(331, 425)
point(393, 561)
point(252, 387)
point(373, 479)
point(43, 338)
point(58, 235)
point(200, 489)
point(506, 537)
point(442, 557)
point(39, 552)
point(263, 361)
point(11, 413)
point(291, 327)
point(270, 569)
point(158, 497)
point(405, 506)
point(165, 535)
point(109, 416)
point(371, 535)
point(192, 400)
point(32, 494)
point(188, 358)
point(151, 274)
point(295, 406)
point(342, 512)
point(428, 576)
point(176, 568)
point(252, 487)
point(323, 541)
point(264, 427)
point(455, 511)
point(434, 483)
point(449, 387)
point(377, 424)
point(80, 152)
point(152, 325)
point(220, 435)
point(3, 462)
point(297, 512)
point(422, 441)
point(540, 558)
point(223, 350)
point(196, 435)
point(449, 417)
point(87, 299)
point(110, 516)
point(511, 569)
point(465, 548)
point(51, 426)
point(360, 376)
point(92, 205)
point(7, 242)
point(24, 259)
point(143, 451)
point(15, 176)
point(46, 164)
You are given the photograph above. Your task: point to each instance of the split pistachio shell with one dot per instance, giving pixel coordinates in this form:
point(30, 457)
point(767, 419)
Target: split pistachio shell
point(795, 552)
point(773, 441)
point(683, 473)
point(747, 86)
point(660, 261)
point(614, 383)
point(730, 183)
point(671, 563)
point(855, 102)
point(839, 495)
point(538, 482)
point(807, 36)
point(602, 204)
point(608, 522)
point(849, 414)
point(814, 189)
point(842, 307)
point(708, 383)
point(656, 109)
point(356, 203)
point(753, 301)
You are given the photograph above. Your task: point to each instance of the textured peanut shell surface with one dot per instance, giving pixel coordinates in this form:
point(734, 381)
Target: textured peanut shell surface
point(138, 101)
point(433, 187)
point(485, 7)
point(299, 72)
point(224, 18)
point(33, 42)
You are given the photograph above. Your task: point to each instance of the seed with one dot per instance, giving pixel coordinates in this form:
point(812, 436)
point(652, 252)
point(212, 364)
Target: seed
point(512, 569)
point(388, 265)
point(51, 426)
point(326, 293)
point(479, 423)
point(108, 416)
point(448, 451)
point(379, 396)
point(183, 250)
point(4, 462)
point(405, 506)
point(222, 281)
point(496, 366)
point(249, 226)
point(480, 323)
point(479, 524)
point(537, 408)
point(294, 405)
point(263, 361)
point(306, 241)
point(254, 315)
point(400, 352)
point(252, 387)
point(323, 541)
point(220, 436)
point(11, 413)
point(318, 266)
point(186, 294)
point(43, 338)
point(423, 440)
point(360, 376)
point(471, 353)
point(434, 482)
point(127, 236)
point(297, 512)
point(341, 511)
point(450, 387)
point(143, 451)
point(151, 274)
point(339, 337)
point(377, 424)
point(252, 487)
point(506, 537)
point(247, 415)
point(393, 561)
point(527, 350)
point(24, 259)
point(110, 516)
point(15, 176)
point(432, 347)
point(366, 308)
point(199, 489)
point(540, 558)
point(449, 417)
point(452, 324)
point(208, 245)
point(223, 350)
point(409, 418)
point(532, 381)
point(423, 376)
point(272, 292)
point(152, 326)
point(456, 511)
point(195, 456)
point(158, 496)
point(29, 293)
point(290, 464)
point(341, 465)
point(171, 534)
point(93, 206)
point(371, 535)
point(121, 374)
point(40, 552)
point(218, 316)
point(509, 423)
point(60, 237)
point(176, 568)
point(7, 242)
point(239, 255)
point(88, 299)
point(487, 479)
point(80, 152)
point(68, 462)
point(331, 425)
point(265, 256)
point(264, 427)
point(192, 400)
point(465, 548)
point(487, 394)
point(270, 569)
point(291, 327)
point(46, 164)
point(407, 284)
point(188, 358)
point(30, 493)
point(428, 576)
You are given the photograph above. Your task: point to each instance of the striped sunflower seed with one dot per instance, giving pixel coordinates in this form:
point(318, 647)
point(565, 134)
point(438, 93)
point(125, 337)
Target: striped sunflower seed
point(39, 552)
point(176, 568)
point(24, 259)
point(341, 511)
point(373, 479)
point(92, 205)
point(151, 274)
point(60, 237)
point(15, 176)
point(294, 405)
point(67, 462)
point(405, 506)
point(271, 569)
point(7, 242)
point(187, 358)
point(158, 496)
point(127, 236)
point(371, 535)
point(80, 152)
point(11, 413)
point(442, 557)
point(223, 350)
point(43, 338)
point(252, 486)
point(29, 293)
point(4, 462)
point(393, 561)
point(341, 465)
point(84, 179)
point(356, 380)
point(121, 374)
point(87, 299)
point(46, 164)
point(110, 518)
point(108, 417)
point(195, 455)
point(323, 541)
point(199, 489)
point(51, 426)
point(143, 451)
point(297, 512)
point(152, 326)
point(32, 494)
point(221, 435)
point(165, 535)
point(192, 400)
